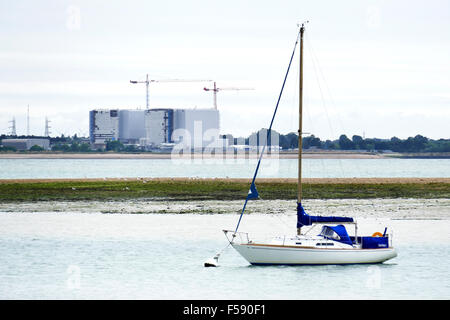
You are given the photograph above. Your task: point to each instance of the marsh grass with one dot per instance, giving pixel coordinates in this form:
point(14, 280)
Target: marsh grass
point(199, 189)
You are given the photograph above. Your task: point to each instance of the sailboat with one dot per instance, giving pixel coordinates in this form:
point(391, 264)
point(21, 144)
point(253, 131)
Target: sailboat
point(332, 245)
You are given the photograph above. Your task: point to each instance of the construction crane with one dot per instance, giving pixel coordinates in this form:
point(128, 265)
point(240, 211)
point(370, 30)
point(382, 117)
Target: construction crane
point(147, 82)
point(215, 90)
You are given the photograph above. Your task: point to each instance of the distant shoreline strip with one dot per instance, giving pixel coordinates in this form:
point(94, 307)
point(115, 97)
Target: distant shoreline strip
point(221, 156)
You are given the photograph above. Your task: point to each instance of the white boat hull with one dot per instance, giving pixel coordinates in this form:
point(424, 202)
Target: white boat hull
point(262, 254)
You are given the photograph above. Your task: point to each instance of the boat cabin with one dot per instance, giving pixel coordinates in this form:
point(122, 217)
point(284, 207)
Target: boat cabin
point(339, 233)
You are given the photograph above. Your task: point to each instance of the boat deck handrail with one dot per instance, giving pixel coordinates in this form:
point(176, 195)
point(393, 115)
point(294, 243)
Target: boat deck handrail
point(243, 236)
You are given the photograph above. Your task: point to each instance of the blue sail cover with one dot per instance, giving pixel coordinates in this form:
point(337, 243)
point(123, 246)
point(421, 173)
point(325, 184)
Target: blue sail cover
point(252, 193)
point(303, 219)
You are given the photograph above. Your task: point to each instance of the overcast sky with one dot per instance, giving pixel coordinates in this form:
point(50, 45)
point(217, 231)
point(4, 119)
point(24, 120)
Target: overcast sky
point(373, 68)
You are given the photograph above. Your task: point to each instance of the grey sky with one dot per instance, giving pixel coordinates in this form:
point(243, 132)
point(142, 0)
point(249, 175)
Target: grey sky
point(379, 68)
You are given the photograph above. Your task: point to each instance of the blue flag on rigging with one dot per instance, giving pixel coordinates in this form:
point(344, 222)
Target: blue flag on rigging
point(252, 193)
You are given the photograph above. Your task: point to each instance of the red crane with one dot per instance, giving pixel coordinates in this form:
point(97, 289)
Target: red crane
point(215, 90)
point(147, 82)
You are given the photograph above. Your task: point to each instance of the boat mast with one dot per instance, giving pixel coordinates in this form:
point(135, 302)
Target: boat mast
point(300, 120)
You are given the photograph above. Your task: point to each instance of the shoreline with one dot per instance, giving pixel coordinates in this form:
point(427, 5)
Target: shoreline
point(219, 156)
point(306, 154)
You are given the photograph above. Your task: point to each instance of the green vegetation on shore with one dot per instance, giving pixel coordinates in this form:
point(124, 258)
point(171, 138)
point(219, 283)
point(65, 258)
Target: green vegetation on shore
point(416, 144)
point(193, 189)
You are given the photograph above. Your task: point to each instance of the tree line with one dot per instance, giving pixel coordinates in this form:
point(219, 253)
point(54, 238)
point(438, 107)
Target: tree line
point(418, 143)
point(288, 141)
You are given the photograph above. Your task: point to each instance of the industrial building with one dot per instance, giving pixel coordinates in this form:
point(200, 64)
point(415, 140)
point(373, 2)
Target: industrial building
point(197, 128)
point(153, 128)
point(103, 126)
point(158, 126)
point(131, 126)
point(26, 144)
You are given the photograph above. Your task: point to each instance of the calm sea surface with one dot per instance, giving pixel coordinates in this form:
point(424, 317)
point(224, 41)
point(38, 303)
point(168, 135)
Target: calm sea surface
point(93, 255)
point(155, 256)
point(215, 168)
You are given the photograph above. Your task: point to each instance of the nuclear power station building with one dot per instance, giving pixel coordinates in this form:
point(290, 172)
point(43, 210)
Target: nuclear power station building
point(156, 128)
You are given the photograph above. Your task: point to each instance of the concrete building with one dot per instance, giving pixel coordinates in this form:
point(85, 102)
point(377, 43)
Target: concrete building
point(131, 126)
point(103, 126)
point(26, 144)
point(196, 128)
point(154, 128)
point(159, 126)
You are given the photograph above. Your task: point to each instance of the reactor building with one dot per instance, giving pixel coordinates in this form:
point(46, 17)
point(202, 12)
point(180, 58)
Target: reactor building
point(131, 126)
point(194, 129)
point(103, 126)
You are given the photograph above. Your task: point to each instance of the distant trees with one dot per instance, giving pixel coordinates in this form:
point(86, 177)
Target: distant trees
point(7, 149)
point(114, 145)
point(72, 147)
point(118, 146)
point(36, 148)
point(359, 142)
point(311, 141)
point(415, 144)
point(345, 143)
point(287, 141)
point(418, 143)
point(440, 145)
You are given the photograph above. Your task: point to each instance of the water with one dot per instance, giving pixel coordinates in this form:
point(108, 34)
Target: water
point(75, 255)
point(88, 250)
point(216, 168)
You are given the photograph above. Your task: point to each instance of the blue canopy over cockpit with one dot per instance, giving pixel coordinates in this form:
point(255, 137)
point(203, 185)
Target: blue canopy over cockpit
point(338, 233)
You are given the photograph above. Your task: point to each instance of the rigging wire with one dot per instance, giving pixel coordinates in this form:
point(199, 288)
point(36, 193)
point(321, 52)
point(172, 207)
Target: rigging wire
point(269, 131)
point(315, 61)
point(332, 101)
point(317, 69)
point(306, 111)
point(293, 115)
point(327, 89)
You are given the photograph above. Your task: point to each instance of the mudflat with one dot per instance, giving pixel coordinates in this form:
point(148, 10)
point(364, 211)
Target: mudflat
point(245, 180)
